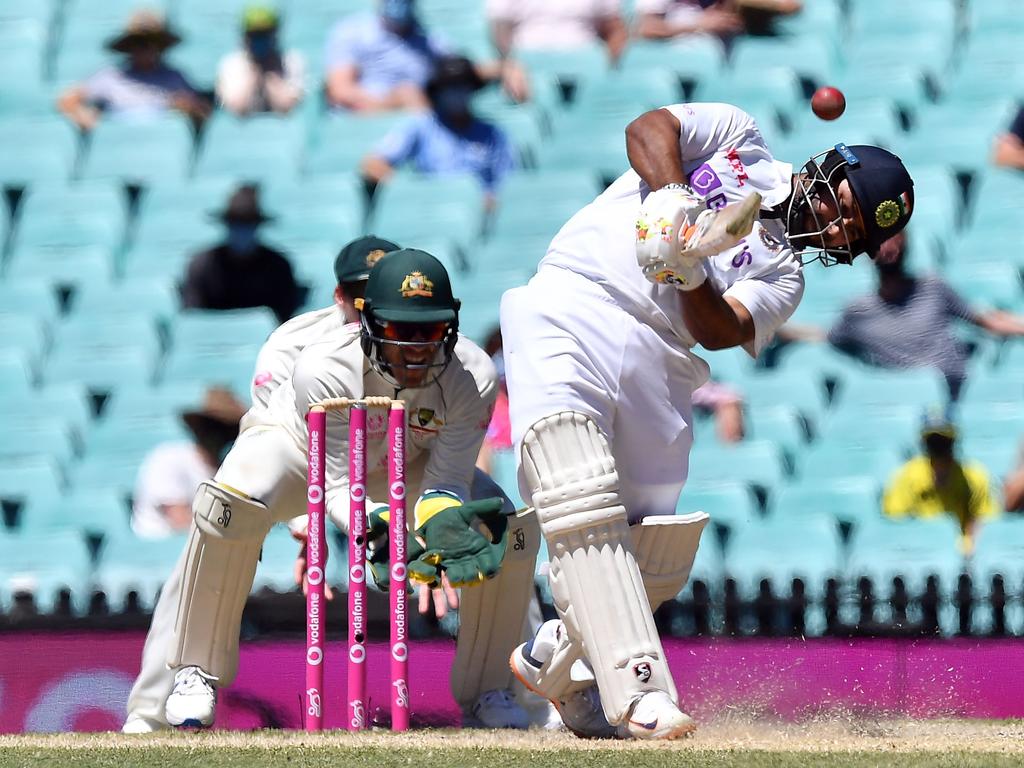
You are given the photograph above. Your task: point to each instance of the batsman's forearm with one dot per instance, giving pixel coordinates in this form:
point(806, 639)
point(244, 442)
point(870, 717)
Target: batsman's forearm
point(652, 146)
point(712, 321)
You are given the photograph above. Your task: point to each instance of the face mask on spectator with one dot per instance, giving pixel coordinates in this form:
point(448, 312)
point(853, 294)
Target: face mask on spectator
point(242, 238)
point(453, 102)
point(261, 45)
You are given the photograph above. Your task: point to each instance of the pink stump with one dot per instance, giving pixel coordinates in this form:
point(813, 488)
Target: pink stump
point(399, 575)
point(356, 711)
point(316, 560)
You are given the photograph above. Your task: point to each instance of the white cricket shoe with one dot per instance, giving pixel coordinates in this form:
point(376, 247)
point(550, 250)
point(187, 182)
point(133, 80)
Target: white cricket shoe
point(580, 711)
point(718, 230)
point(136, 724)
point(193, 700)
point(654, 716)
point(496, 709)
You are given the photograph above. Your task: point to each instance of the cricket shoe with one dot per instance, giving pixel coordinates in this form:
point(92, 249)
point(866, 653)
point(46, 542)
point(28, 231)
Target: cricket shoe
point(193, 700)
point(654, 716)
point(136, 724)
point(496, 709)
point(580, 711)
point(719, 230)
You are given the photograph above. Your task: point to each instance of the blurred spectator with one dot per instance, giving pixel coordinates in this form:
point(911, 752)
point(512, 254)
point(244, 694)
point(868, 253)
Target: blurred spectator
point(664, 19)
point(241, 272)
point(1009, 147)
point(449, 138)
point(378, 62)
point(1013, 487)
point(727, 407)
point(518, 25)
point(499, 432)
point(937, 483)
point(260, 77)
point(143, 84)
point(908, 322)
point(172, 471)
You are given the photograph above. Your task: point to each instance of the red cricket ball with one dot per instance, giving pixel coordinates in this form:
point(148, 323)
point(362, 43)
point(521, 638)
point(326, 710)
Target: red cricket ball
point(828, 103)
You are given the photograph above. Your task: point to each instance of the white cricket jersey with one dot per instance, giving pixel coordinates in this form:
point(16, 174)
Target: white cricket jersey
point(446, 419)
point(277, 356)
point(725, 158)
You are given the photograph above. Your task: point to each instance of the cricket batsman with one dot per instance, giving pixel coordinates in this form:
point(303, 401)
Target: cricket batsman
point(404, 345)
point(696, 244)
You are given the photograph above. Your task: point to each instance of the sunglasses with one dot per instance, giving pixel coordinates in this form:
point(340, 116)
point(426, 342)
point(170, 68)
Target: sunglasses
point(428, 333)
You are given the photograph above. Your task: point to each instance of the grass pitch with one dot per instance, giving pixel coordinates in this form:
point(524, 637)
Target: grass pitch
point(833, 743)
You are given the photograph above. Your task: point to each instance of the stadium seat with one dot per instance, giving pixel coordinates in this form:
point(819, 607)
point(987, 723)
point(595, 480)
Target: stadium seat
point(811, 57)
point(23, 334)
point(771, 87)
point(214, 331)
point(259, 148)
point(202, 197)
point(232, 369)
point(16, 376)
point(920, 387)
point(277, 562)
point(603, 152)
point(68, 402)
point(760, 463)
point(44, 566)
point(730, 506)
point(522, 123)
point(339, 195)
point(30, 297)
point(413, 212)
point(597, 98)
point(503, 472)
point(779, 552)
point(508, 253)
point(23, 49)
point(570, 66)
point(140, 151)
point(116, 474)
point(66, 265)
point(129, 564)
point(830, 461)
point(138, 296)
point(100, 375)
point(786, 387)
point(695, 59)
point(26, 441)
point(783, 424)
point(849, 501)
point(343, 140)
point(96, 512)
point(47, 147)
point(911, 549)
point(92, 214)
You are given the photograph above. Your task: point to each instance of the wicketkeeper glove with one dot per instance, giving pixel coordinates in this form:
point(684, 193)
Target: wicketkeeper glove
point(444, 541)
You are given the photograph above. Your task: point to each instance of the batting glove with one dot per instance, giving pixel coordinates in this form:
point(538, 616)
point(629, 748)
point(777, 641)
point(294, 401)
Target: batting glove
point(667, 217)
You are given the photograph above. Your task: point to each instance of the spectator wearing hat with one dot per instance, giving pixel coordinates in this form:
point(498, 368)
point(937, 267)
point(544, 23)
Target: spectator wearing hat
point(171, 472)
point(143, 84)
point(449, 138)
point(937, 483)
point(260, 77)
point(382, 61)
point(242, 272)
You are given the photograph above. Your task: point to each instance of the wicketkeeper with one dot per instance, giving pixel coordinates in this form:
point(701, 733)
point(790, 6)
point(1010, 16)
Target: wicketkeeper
point(406, 346)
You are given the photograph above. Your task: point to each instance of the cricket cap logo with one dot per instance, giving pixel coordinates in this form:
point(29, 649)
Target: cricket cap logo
point(374, 256)
point(887, 213)
point(417, 284)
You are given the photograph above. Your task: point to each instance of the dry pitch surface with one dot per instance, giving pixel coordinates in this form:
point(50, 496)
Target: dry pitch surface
point(906, 744)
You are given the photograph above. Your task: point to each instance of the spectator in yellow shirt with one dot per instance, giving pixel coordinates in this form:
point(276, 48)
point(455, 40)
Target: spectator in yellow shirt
point(937, 483)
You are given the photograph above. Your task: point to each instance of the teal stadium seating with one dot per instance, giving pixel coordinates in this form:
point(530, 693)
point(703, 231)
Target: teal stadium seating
point(140, 150)
point(43, 568)
point(129, 564)
point(47, 148)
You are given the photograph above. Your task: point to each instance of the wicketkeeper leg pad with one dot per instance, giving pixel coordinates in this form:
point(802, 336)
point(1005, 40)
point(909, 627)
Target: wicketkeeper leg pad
point(595, 580)
point(222, 553)
point(492, 614)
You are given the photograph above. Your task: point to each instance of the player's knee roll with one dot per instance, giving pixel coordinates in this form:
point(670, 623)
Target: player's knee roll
point(226, 514)
point(571, 473)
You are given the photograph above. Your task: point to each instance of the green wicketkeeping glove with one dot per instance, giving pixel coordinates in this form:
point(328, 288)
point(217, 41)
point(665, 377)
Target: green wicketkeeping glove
point(378, 555)
point(451, 543)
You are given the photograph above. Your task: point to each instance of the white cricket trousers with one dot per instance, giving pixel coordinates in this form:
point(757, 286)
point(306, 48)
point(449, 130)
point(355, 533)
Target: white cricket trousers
point(569, 346)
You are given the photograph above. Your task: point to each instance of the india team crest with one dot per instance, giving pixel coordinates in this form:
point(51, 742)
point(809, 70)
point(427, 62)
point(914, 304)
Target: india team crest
point(887, 213)
point(417, 284)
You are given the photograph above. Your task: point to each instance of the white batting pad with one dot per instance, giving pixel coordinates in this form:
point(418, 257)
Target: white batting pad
point(665, 547)
point(222, 553)
point(492, 616)
point(595, 580)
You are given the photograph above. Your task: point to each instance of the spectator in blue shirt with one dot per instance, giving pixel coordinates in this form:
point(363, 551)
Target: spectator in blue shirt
point(382, 61)
point(449, 138)
point(144, 84)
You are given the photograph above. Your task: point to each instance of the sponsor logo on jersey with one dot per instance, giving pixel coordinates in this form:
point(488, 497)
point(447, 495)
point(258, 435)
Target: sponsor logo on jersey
point(417, 284)
point(737, 166)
